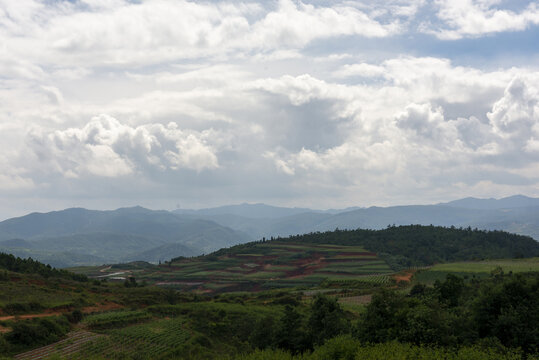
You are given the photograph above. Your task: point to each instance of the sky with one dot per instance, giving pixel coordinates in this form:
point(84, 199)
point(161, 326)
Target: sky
point(321, 104)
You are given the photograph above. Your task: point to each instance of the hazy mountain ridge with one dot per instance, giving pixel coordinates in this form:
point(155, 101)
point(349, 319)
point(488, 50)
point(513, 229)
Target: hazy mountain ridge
point(57, 259)
point(515, 213)
point(98, 237)
point(515, 201)
point(161, 253)
point(253, 211)
point(78, 236)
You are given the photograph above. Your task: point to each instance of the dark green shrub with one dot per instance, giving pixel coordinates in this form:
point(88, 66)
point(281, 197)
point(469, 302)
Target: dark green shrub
point(37, 331)
point(327, 319)
point(342, 347)
point(18, 308)
point(74, 317)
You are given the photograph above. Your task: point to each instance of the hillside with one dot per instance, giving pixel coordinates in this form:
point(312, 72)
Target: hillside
point(511, 202)
point(416, 245)
point(96, 237)
point(518, 214)
point(369, 256)
point(254, 211)
point(320, 296)
point(268, 265)
point(74, 237)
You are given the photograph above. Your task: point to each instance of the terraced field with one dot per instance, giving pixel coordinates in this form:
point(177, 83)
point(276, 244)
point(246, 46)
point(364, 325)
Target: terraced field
point(68, 347)
point(477, 269)
point(155, 340)
point(507, 265)
point(266, 266)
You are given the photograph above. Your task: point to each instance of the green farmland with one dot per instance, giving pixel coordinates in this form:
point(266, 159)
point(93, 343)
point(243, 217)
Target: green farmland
point(262, 266)
point(487, 266)
point(477, 269)
point(295, 298)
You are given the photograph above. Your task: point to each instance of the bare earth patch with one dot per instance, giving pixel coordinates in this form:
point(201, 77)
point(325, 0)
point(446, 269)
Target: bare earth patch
point(89, 309)
point(356, 300)
point(102, 307)
point(29, 316)
point(405, 276)
point(4, 330)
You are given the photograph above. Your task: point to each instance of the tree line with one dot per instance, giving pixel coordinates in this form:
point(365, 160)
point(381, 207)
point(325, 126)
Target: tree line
point(417, 245)
point(30, 266)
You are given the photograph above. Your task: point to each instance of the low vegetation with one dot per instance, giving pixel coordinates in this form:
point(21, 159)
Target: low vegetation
point(415, 245)
point(29, 266)
point(294, 298)
point(328, 259)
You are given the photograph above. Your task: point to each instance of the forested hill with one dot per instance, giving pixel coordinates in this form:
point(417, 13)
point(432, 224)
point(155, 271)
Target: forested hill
point(417, 245)
point(30, 266)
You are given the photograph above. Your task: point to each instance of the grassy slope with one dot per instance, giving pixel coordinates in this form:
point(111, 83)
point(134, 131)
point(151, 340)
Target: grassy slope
point(266, 265)
point(314, 259)
point(218, 326)
point(249, 267)
point(416, 245)
point(477, 269)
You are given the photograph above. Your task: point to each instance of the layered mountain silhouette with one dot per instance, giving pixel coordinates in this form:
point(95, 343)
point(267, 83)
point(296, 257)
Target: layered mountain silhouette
point(88, 237)
point(518, 214)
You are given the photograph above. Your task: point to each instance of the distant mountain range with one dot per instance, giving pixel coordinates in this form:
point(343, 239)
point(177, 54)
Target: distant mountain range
point(81, 237)
point(518, 214)
point(511, 202)
point(257, 211)
point(87, 237)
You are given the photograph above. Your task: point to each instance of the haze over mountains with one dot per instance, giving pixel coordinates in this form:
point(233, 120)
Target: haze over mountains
point(519, 214)
point(515, 201)
point(87, 237)
point(79, 236)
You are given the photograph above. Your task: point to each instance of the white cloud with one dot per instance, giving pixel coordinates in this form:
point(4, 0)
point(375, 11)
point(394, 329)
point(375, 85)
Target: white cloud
point(362, 69)
point(105, 147)
point(299, 89)
point(428, 124)
point(54, 94)
point(316, 103)
point(86, 34)
point(421, 147)
point(468, 18)
point(10, 182)
point(297, 25)
point(517, 112)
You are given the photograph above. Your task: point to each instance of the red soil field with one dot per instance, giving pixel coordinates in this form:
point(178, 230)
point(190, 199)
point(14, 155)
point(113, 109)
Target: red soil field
point(89, 309)
point(405, 276)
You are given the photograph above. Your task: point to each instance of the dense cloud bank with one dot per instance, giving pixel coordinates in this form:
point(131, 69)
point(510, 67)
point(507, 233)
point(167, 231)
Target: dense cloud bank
point(286, 102)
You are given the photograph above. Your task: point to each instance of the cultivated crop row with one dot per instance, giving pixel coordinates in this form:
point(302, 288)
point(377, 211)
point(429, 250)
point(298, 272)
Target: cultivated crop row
point(115, 319)
point(154, 339)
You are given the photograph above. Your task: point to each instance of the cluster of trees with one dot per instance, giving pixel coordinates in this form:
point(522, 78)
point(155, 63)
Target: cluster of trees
point(418, 245)
point(499, 314)
point(298, 331)
point(30, 266)
point(412, 245)
point(34, 332)
point(228, 325)
point(345, 347)
point(490, 318)
point(502, 311)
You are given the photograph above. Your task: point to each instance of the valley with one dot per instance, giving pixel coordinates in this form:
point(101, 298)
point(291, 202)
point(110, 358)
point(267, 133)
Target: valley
point(319, 295)
point(269, 180)
point(79, 237)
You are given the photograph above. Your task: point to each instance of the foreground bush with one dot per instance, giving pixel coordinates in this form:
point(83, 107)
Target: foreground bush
point(115, 319)
point(347, 348)
point(32, 333)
